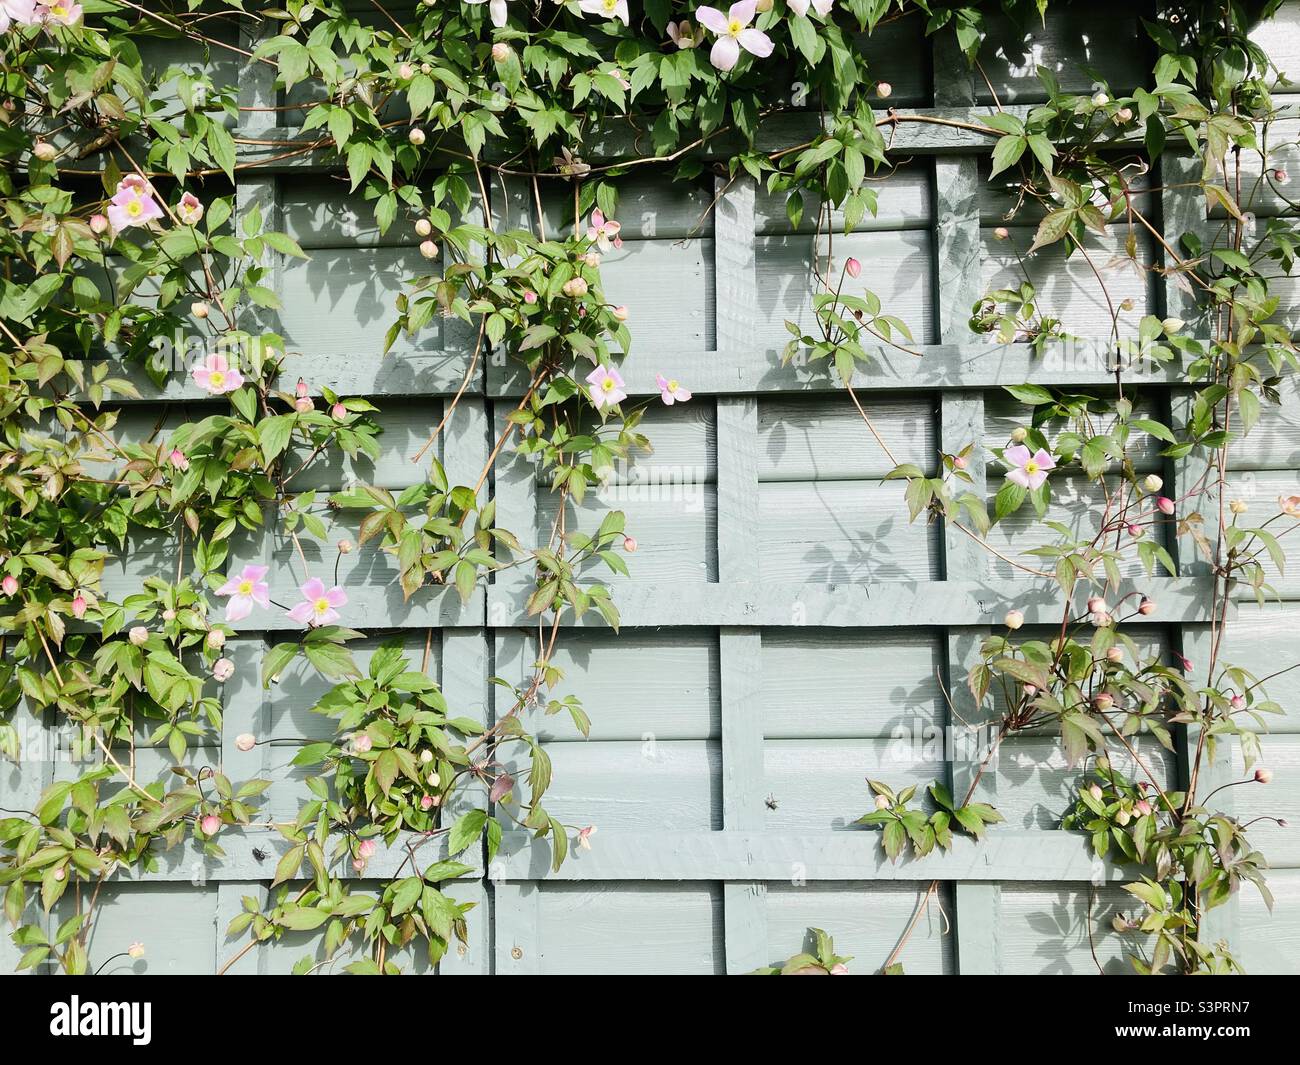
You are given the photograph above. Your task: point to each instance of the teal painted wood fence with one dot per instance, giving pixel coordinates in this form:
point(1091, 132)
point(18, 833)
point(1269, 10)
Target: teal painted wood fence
point(783, 622)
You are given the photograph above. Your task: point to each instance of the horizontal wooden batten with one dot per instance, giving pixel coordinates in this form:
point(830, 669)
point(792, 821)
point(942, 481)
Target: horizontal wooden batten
point(1012, 855)
point(875, 604)
point(706, 372)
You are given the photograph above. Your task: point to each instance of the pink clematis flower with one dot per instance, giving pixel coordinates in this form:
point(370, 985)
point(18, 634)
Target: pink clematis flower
point(609, 8)
point(800, 7)
point(1028, 471)
point(17, 12)
point(133, 204)
point(606, 387)
point(496, 8)
point(318, 605)
point(1289, 505)
point(189, 210)
point(605, 232)
point(584, 837)
point(60, 13)
point(684, 35)
point(247, 590)
point(671, 391)
point(734, 33)
point(216, 375)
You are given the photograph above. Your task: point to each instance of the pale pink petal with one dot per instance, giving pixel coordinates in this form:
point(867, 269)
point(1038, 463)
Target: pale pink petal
point(1044, 460)
point(328, 618)
point(313, 589)
point(1036, 479)
point(336, 596)
point(618, 380)
point(621, 13)
point(743, 12)
point(201, 375)
point(261, 595)
point(756, 42)
point(1017, 455)
point(1019, 476)
point(799, 7)
point(683, 395)
point(253, 573)
point(497, 8)
point(302, 613)
point(712, 18)
point(216, 361)
point(596, 376)
point(230, 587)
point(724, 53)
point(239, 607)
point(234, 380)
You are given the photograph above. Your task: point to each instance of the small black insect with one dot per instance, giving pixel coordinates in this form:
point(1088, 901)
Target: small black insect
point(259, 854)
point(771, 802)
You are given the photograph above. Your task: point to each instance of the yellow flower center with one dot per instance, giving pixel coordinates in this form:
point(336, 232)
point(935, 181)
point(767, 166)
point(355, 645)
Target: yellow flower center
point(607, 384)
point(1031, 466)
point(672, 386)
point(322, 605)
point(245, 587)
point(610, 5)
point(134, 208)
point(734, 27)
point(217, 378)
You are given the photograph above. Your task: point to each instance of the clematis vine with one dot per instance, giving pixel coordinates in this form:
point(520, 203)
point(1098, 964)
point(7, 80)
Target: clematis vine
point(247, 590)
point(216, 375)
point(606, 387)
point(671, 390)
point(133, 204)
point(319, 605)
point(609, 8)
point(17, 12)
point(1028, 471)
point(604, 231)
point(734, 33)
point(496, 8)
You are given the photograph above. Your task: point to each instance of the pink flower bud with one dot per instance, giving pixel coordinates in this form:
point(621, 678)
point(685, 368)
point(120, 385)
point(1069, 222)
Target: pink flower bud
point(1147, 607)
point(1114, 654)
point(10, 584)
point(211, 824)
point(426, 802)
point(1103, 701)
point(44, 151)
point(178, 460)
point(359, 865)
point(1279, 175)
point(245, 742)
point(530, 297)
point(216, 639)
point(1096, 605)
point(429, 249)
point(620, 313)
point(135, 950)
point(169, 615)
point(1002, 233)
point(138, 635)
point(1237, 702)
point(367, 848)
point(416, 136)
point(853, 268)
point(960, 461)
point(575, 288)
point(338, 412)
point(60, 873)
point(1030, 690)
point(1185, 663)
point(1263, 776)
point(423, 227)
point(882, 803)
point(406, 72)
point(839, 969)
point(362, 743)
point(884, 90)
point(346, 547)
point(79, 606)
point(1165, 505)
point(302, 406)
point(500, 52)
point(200, 309)
point(1014, 619)
point(1143, 807)
point(1136, 531)
point(222, 670)
point(300, 389)
point(629, 544)
point(501, 787)
point(1095, 791)
point(98, 224)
